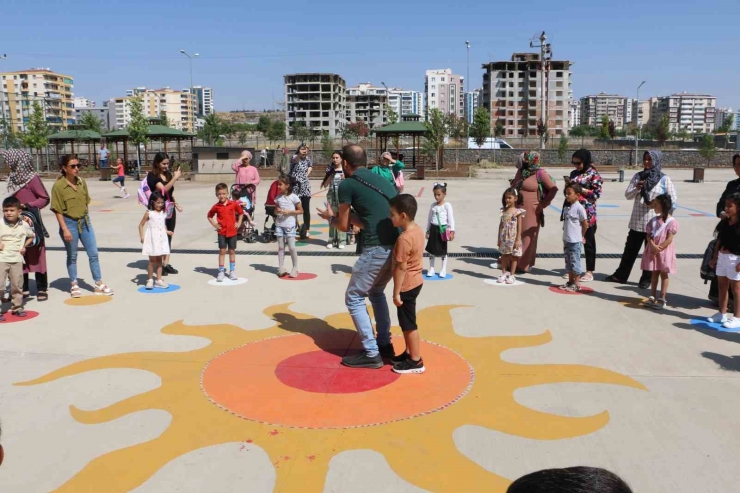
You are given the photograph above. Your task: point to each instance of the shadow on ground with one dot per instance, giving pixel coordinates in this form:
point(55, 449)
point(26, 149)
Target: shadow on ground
point(265, 268)
point(730, 363)
point(341, 268)
point(64, 284)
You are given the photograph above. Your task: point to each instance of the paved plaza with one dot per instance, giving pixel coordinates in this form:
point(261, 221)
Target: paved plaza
point(238, 388)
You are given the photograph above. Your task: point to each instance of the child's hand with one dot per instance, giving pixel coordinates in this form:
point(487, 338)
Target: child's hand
point(2, 246)
point(23, 250)
point(452, 235)
point(278, 211)
point(142, 240)
point(397, 300)
point(170, 233)
point(737, 268)
point(517, 245)
point(427, 235)
point(583, 240)
point(712, 263)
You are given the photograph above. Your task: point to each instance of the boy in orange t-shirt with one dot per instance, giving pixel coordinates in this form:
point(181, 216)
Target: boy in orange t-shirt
point(408, 259)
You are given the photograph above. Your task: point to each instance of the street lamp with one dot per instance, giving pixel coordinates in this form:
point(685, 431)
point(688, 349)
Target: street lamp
point(638, 125)
point(467, 80)
point(190, 60)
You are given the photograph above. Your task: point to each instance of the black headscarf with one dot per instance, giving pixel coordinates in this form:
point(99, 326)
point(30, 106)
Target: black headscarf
point(585, 156)
point(653, 175)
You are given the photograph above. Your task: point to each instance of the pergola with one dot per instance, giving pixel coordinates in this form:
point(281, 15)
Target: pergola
point(154, 132)
point(410, 126)
point(75, 135)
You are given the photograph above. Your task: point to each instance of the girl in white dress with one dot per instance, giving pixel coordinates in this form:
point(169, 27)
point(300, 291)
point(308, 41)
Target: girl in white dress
point(154, 239)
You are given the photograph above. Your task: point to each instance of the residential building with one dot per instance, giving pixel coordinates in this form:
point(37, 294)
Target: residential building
point(736, 124)
point(318, 99)
point(628, 102)
point(179, 107)
point(368, 104)
point(512, 91)
point(204, 96)
point(595, 108)
point(53, 91)
point(84, 103)
point(472, 102)
point(444, 91)
point(574, 115)
point(101, 114)
point(640, 112)
point(721, 116)
point(405, 102)
point(694, 113)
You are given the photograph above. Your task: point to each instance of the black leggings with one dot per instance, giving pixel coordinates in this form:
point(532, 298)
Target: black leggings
point(170, 224)
point(306, 204)
point(42, 281)
point(590, 248)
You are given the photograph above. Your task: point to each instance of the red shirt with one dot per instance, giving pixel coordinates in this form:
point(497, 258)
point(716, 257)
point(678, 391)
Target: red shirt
point(226, 215)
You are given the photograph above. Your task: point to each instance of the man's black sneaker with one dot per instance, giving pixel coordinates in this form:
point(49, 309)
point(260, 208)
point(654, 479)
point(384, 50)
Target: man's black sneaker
point(170, 269)
point(400, 358)
point(387, 351)
point(409, 366)
point(362, 360)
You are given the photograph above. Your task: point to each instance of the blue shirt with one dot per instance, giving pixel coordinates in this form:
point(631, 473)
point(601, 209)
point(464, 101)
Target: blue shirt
point(104, 153)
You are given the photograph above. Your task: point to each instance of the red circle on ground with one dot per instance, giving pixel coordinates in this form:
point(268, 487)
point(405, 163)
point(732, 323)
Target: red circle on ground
point(584, 290)
point(105, 210)
point(302, 276)
point(10, 318)
point(323, 372)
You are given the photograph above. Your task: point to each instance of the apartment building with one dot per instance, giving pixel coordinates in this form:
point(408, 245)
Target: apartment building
point(596, 107)
point(445, 91)
point(640, 113)
point(101, 114)
point(180, 107)
point(405, 102)
point(575, 113)
point(204, 96)
point(472, 102)
point(368, 104)
point(721, 115)
point(84, 103)
point(512, 91)
point(318, 99)
point(694, 113)
point(52, 90)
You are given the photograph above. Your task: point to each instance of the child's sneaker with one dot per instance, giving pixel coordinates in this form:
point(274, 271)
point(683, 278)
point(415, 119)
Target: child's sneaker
point(150, 284)
point(329, 246)
point(649, 303)
point(161, 284)
point(341, 246)
point(282, 272)
point(718, 318)
point(400, 358)
point(232, 276)
point(409, 366)
point(502, 278)
point(510, 279)
point(660, 304)
point(733, 323)
point(126, 196)
point(293, 274)
point(221, 276)
point(430, 272)
point(443, 274)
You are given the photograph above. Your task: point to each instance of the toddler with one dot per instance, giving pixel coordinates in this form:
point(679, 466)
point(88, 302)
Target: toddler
point(510, 235)
point(155, 239)
point(660, 255)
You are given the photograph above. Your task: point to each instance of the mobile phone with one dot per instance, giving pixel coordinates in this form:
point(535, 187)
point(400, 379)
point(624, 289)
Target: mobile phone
point(566, 178)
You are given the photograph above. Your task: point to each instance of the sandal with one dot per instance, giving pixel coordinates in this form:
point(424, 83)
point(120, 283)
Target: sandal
point(26, 294)
point(102, 289)
point(42, 296)
point(660, 304)
point(586, 278)
point(2, 317)
point(649, 303)
point(75, 291)
point(19, 313)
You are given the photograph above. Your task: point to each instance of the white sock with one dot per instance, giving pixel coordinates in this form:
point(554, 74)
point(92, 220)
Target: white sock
point(444, 264)
point(431, 263)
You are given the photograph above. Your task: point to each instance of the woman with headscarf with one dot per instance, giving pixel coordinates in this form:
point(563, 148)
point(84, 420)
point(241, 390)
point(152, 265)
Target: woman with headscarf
point(643, 188)
point(590, 181)
point(537, 191)
point(246, 174)
point(732, 187)
point(26, 186)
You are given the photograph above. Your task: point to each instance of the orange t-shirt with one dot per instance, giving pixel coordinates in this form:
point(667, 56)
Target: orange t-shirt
point(409, 250)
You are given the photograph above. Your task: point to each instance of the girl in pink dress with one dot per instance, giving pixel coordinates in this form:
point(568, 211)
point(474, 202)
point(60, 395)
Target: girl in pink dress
point(660, 254)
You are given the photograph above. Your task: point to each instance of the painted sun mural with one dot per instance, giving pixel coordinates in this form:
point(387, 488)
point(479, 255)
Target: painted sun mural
point(284, 390)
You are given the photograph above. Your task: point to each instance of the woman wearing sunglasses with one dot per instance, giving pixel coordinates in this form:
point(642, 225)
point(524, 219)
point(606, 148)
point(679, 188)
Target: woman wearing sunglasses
point(69, 201)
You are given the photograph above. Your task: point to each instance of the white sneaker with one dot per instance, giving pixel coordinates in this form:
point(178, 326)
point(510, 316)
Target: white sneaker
point(126, 196)
point(494, 265)
point(150, 284)
point(329, 246)
point(443, 274)
point(501, 279)
point(430, 273)
point(161, 284)
point(510, 279)
point(733, 323)
point(718, 318)
point(341, 246)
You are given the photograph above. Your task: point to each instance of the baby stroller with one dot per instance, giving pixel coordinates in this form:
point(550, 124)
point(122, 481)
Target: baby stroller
point(245, 196)
point(268, 234)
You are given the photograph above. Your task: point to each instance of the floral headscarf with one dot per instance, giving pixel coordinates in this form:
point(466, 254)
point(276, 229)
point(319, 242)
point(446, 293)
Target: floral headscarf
point(653, 175)
point(529, 163)
point(21, 170)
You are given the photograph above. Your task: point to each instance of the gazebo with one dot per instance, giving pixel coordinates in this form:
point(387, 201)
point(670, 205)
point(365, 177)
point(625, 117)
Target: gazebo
point(78, 134)
point(154, 132)
point(409, 126)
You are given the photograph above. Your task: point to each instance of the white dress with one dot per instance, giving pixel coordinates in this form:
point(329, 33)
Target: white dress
point(155, 236)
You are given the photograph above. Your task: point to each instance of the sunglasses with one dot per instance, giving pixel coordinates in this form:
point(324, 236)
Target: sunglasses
point(73, 166)
point(576, 163)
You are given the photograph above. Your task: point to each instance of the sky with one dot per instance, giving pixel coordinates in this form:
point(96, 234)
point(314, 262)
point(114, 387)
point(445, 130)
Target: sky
point(246, 47)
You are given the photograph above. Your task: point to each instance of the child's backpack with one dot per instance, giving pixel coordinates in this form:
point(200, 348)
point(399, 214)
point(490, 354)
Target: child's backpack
point(272, 194)
point(144, 193)
point(398, 179)
point(706, 271)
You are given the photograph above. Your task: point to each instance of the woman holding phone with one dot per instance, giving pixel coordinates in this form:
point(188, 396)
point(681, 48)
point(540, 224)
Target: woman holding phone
point(160, 179)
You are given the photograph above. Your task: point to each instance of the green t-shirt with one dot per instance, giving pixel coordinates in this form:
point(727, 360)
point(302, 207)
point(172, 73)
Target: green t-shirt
point(372, 207)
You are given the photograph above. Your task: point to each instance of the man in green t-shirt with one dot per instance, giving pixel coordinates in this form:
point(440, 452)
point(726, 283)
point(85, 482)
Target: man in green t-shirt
point(368, 194)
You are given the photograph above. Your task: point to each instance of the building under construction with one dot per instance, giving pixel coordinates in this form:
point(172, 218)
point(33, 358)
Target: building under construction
point(512, 92)
point(318, 100)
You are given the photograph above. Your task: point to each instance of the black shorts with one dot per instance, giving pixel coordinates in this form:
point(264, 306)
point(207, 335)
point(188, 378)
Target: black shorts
point(407, 311)
point(119, 179)
point(224, 242)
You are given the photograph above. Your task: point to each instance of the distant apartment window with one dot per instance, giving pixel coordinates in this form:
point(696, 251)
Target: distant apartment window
point(434, 94)
point(434, 79)
point(442, 79)
point(222, 155)
point(558, 74)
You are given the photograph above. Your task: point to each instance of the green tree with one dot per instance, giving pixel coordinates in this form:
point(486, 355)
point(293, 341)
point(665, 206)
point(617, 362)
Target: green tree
point(604, 130)
point(708, 150)
point(434, 140)
point(393, 118)
point(480, 130)
point(91, 122)
point(7, 135)
point(725, 128)
point(264, 124)
point(37, 131)
point(563, 148)
point(498, 130)
point(138, 128)
point(578, 131)
point(242, 137)
point(327, 146)
point(276, 132)
point(663, 130)
point(301, 132)
point(214, 128)
point(457, 128)
point(163, 118)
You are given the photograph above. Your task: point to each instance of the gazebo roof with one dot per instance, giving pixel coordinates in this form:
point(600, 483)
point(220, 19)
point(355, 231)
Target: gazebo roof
point(407, 127)
point(152, 131)
point(75, 135)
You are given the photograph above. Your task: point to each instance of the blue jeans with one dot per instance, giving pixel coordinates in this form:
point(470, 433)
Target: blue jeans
point(573, 257)
point(87, 237)
point(370, 274)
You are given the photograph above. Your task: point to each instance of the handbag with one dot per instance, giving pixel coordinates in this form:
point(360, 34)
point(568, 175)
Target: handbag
point(706, 271)
point(444, 232)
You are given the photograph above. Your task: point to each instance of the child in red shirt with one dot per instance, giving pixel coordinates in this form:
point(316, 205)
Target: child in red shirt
point(226, 212)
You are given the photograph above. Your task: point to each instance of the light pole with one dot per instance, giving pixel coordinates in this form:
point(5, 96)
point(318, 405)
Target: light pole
point(467, 106)
point(190, 60)
point(638, 122)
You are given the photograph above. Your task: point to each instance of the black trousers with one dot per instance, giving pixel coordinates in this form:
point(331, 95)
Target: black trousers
point(42, 281)
point(590, 248)
point(306, 204)
point(635, 240)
